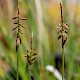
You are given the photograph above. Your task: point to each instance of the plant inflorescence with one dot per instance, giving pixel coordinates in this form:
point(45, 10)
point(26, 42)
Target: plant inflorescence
point(18, 38)
point(31, 56)
point(62, 30)
point(62, 36)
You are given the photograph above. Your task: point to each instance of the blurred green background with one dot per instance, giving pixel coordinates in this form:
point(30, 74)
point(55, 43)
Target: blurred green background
point(43, 18)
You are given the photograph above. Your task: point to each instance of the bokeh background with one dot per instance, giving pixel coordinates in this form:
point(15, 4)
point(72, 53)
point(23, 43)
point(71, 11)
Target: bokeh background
point(43, 16)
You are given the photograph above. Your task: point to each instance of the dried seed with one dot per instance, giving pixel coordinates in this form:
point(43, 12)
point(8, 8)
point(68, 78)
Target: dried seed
point(66, 32)
point(33, 59)
point(15, 23)
point(14, 28)
point(65, 26)
point(63, 42)
point(33, 55)
point(15, 18)
point(59, 36)
point(23, 19)
point(28, 56)
point(22, 26)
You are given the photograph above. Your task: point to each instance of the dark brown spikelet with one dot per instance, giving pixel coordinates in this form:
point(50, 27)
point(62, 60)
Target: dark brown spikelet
point(63, 43)
point(14, 28)
point(59, 36)
point(15, 18)
point(20, 40)
point(66, 32)
point(32, 78)
point(16, 48)
point(15, 23)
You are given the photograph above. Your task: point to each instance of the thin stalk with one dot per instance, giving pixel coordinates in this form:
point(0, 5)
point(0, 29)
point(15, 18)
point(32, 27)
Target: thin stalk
point(17, 65)
point(18, 39)
point(18, 35)
point(62, 43)
point(62, 63)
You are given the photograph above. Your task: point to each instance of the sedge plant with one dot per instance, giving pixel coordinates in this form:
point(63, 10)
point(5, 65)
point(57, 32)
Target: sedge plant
point(31, 56)
point(62, 37)
point(18, 38)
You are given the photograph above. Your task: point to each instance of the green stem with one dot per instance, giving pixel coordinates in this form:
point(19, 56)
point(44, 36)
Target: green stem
point(62, 42)
point(29, 70)
point(17, 64)
point(18, 35)
point(62, 63)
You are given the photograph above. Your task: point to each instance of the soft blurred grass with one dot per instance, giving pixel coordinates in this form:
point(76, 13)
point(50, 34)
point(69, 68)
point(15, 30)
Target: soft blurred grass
point(49, 45)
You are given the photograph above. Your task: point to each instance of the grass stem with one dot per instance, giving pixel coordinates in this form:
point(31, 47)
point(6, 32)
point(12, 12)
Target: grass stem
point(17, 66)
point(62, 43)
point(18, 35)
point(62, 63)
